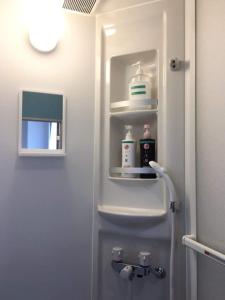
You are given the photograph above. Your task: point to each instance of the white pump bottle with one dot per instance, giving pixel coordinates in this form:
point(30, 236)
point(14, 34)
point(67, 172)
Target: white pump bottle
point(128, 151)
point(139, 86)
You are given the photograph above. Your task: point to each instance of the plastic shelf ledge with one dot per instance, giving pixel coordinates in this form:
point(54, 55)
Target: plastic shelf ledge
point(119, 170)
point(130, 213)
point(133, 103)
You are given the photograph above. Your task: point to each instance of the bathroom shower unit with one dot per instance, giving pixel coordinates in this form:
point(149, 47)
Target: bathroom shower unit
point(132, 212)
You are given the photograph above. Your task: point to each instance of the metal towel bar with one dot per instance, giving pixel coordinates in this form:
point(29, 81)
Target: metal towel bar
point(190, 242)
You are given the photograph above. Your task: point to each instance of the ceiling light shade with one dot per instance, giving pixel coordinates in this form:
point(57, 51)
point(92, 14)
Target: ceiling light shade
point(45, 26)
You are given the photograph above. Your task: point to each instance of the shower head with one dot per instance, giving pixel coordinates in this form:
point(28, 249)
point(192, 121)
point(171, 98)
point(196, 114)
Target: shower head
point(160, 170)
point(81, 6)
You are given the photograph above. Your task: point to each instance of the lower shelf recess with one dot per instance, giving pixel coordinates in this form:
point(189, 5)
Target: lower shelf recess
point(130, 213)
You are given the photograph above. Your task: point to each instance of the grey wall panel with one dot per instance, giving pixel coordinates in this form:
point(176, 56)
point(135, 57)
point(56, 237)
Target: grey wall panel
point(211, 142)
point(46, 203)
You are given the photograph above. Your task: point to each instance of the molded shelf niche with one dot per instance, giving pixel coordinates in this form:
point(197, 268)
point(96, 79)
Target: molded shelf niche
point(135, 112)
point(128, 214)
point(121, 72)
point(117, 132)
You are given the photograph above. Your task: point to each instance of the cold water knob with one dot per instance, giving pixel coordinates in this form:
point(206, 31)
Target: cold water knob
point(144, 258)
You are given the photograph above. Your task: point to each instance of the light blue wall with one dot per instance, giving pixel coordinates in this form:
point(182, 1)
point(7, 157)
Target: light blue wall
point(46, 203)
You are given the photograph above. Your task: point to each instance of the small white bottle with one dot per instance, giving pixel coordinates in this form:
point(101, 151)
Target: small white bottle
point(140, 86)
point(128, 151)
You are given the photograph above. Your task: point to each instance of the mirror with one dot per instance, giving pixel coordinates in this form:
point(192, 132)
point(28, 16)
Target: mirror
point(41, 124)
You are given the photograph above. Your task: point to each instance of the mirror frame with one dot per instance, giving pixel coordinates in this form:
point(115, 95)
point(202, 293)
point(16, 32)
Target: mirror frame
point(41, 152)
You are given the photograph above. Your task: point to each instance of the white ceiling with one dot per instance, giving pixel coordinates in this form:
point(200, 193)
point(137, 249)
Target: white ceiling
point(110, 5)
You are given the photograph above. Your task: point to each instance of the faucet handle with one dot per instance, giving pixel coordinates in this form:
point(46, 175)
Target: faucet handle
point(127, 272)
point(117, 254)
point(144, 258)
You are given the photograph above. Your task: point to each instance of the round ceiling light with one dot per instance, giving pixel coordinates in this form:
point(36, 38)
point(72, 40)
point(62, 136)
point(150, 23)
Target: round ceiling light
point(45, 26)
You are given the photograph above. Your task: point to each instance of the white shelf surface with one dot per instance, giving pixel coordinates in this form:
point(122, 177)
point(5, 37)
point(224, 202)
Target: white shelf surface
point(119, 170)
point(136, 214)
point(133, 115)
point(119, 178)
point(134, 104)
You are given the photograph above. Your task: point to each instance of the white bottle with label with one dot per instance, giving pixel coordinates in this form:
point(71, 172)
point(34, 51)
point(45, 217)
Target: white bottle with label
point(128, 151)
point(139, 87)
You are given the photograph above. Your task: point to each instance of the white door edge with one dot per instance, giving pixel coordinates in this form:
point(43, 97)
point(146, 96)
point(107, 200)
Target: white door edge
point(190, 145)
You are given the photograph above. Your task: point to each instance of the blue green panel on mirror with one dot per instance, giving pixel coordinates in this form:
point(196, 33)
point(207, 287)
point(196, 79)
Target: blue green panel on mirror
point(42, 106)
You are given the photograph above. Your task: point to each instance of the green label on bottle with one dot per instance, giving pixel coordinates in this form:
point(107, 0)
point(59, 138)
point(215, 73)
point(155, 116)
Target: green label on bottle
point(138, 93)
point(147, 142)
point(128, 142)
point(138, 87)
